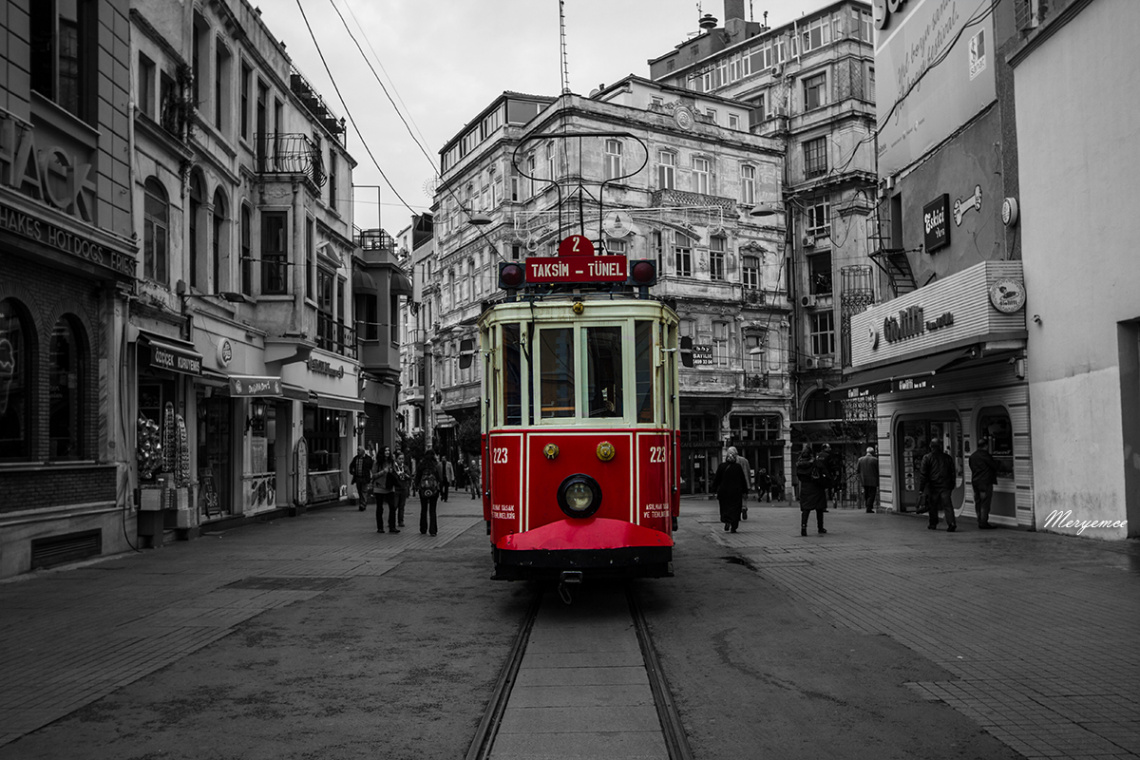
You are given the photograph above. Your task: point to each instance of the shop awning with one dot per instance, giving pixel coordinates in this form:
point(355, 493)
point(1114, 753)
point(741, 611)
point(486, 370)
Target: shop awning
point(340, 403)
point(401, 283)
point(255, 386)
point(171, 354)
point(911, 374)
point(362, 282)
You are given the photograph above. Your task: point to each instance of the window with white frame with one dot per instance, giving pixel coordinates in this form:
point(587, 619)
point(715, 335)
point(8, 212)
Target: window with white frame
point(815, 157)
point(747, 184)
point(733, 121)
point(815, 35)
point(823, 333)
point(666, 170)
point(657, 245)
point(613, 159)
point(720, 343)
point(750, 272)
point(817, 220)
point(716, 258)
point(815, 91)
point(702, 175)
point(551, 162)
point(616, 247)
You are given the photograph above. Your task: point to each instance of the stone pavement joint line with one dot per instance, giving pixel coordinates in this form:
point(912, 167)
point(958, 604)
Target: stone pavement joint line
point(1038, 630)
point(71, 636)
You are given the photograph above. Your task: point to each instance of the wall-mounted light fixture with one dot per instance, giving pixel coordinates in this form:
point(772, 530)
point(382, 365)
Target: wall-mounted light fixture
point(256, 419)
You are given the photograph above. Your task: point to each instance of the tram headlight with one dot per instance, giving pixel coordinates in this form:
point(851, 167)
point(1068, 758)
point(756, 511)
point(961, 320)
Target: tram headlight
point(579, 496)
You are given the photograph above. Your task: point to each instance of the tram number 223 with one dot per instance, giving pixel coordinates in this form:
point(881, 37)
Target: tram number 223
point(498, 456)
point(656, 455)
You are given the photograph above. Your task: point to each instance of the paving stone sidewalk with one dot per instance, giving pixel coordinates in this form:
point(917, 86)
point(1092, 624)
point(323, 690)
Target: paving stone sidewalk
point(1039, 630)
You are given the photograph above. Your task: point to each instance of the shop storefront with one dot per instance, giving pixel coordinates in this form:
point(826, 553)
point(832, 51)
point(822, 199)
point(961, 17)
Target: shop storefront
point(946, 362)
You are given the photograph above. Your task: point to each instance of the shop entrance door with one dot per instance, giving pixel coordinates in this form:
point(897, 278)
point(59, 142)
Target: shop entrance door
point(215, 449)
point(912, 442)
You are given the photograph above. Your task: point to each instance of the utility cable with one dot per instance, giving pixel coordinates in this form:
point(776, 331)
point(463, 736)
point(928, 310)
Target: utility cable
point(347, 112)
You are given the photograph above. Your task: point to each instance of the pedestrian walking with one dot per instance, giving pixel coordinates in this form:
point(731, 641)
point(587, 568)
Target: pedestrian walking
point(814, 473)
point(473, 476)
point(360, 469)
point(401, 487)
point(762, 483)
point(448, 478)
point(429, 475)
point(983, 477)
point(748, 484)
point(383, 487)
point(730, 484)
point(779, 482)
point(936, 474)
point(868, 466)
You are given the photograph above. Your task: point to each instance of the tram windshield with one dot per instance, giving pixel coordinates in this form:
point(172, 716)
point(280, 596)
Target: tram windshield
point(557, 373)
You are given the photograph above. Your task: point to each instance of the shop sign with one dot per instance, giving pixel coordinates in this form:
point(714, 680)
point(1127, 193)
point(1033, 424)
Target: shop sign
point(173, 360)
point(255, 386)
point(321, 367)
point(48, 173)
point(45, 233)
point(225, 352)
point(702, 355)
point(1007, 295)
point(913, 383)
point(911, 323)
point(935, 223)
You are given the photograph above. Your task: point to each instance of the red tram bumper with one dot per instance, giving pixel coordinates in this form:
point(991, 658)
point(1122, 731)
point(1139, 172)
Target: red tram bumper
point(598, 547)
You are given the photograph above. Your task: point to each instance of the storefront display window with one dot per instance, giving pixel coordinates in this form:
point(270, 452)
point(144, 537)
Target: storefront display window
point(154, 394)
point(66, 384)
point(994, 426)
point(323, 431)
point(913, 443)
point(14, 377)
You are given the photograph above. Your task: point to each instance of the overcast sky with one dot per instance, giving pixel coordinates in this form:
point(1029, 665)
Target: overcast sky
point(442, 62)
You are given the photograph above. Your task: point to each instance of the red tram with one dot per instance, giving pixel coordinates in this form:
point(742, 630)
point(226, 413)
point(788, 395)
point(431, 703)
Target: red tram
point(580, 421)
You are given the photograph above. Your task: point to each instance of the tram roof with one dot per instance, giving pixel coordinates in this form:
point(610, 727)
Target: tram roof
point(560, 306)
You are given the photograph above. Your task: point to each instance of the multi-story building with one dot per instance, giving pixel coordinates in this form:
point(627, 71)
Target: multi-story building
point(246, 361)
point(810, 86)
point(417, 255)
point(1077, 170)
point(946, 359)
point(67, 258)
point(646, 170)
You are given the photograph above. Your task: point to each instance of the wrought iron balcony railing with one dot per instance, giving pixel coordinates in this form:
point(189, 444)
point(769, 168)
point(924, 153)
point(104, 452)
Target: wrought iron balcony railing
point(290, 153)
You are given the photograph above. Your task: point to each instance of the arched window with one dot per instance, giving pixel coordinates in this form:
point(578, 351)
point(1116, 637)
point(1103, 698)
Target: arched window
point(221, 254)
point(156, 232)
point(67, 388)
point(194, 259)
point(16, 377)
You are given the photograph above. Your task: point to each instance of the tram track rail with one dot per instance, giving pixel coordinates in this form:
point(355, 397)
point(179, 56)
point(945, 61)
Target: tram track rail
point(674, 738)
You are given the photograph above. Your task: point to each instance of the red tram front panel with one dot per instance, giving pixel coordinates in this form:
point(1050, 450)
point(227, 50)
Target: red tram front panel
point(654, 487)
point(505, 470)
point(577, 452)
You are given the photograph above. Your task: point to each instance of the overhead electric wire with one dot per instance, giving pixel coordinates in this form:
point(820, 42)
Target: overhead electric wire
point(381, 83)
point(376, 57)
point(347, 112)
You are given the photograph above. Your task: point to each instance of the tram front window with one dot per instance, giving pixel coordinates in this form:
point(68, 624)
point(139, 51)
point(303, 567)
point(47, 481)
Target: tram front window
point(556, 363)
point(606, 391)
point(512, 369)
point(643, 368)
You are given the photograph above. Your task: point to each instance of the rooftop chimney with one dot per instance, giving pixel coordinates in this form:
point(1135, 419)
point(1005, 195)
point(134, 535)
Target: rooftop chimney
point(733, 9)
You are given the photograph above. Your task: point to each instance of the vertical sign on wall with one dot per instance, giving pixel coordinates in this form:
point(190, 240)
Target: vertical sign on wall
point(935, 223)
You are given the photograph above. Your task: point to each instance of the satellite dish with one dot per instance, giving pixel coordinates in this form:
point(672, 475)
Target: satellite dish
point(618, 224)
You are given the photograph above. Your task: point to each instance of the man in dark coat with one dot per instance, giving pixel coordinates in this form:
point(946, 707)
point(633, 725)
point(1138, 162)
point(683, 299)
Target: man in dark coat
point(360, 468)
point(936, 474)
point(983, 476)
point(730, 484)
point(814, 473)
point(868, 467)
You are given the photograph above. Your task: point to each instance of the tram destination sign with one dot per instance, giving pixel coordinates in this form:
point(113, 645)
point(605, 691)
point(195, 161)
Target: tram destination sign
point(576, 269)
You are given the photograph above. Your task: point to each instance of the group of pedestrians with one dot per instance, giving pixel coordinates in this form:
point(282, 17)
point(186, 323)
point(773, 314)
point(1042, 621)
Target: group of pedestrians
point(390, 479)
point(818, 476)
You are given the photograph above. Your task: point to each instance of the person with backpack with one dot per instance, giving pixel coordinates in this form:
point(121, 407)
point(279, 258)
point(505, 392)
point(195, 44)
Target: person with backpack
point(429, 479)
point(383, 486)
point(401, 486)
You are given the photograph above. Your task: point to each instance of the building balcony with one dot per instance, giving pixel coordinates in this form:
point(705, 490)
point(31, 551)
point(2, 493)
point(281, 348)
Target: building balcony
point(335, 336)
point(282, 153)
point(672, 197)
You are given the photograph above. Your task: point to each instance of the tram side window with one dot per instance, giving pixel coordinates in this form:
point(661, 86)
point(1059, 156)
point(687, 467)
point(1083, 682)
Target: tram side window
point(606, 391)
point(512, 368)
point(556, 363)
point(643, 367)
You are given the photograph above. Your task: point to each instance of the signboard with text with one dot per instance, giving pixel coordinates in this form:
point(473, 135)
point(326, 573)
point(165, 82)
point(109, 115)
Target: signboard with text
point(570, 269)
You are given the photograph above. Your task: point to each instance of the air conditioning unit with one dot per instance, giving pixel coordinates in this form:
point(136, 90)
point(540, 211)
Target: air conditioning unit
point(807, 301)
point(809, 241)
point(778, 69)
point(809, 362)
